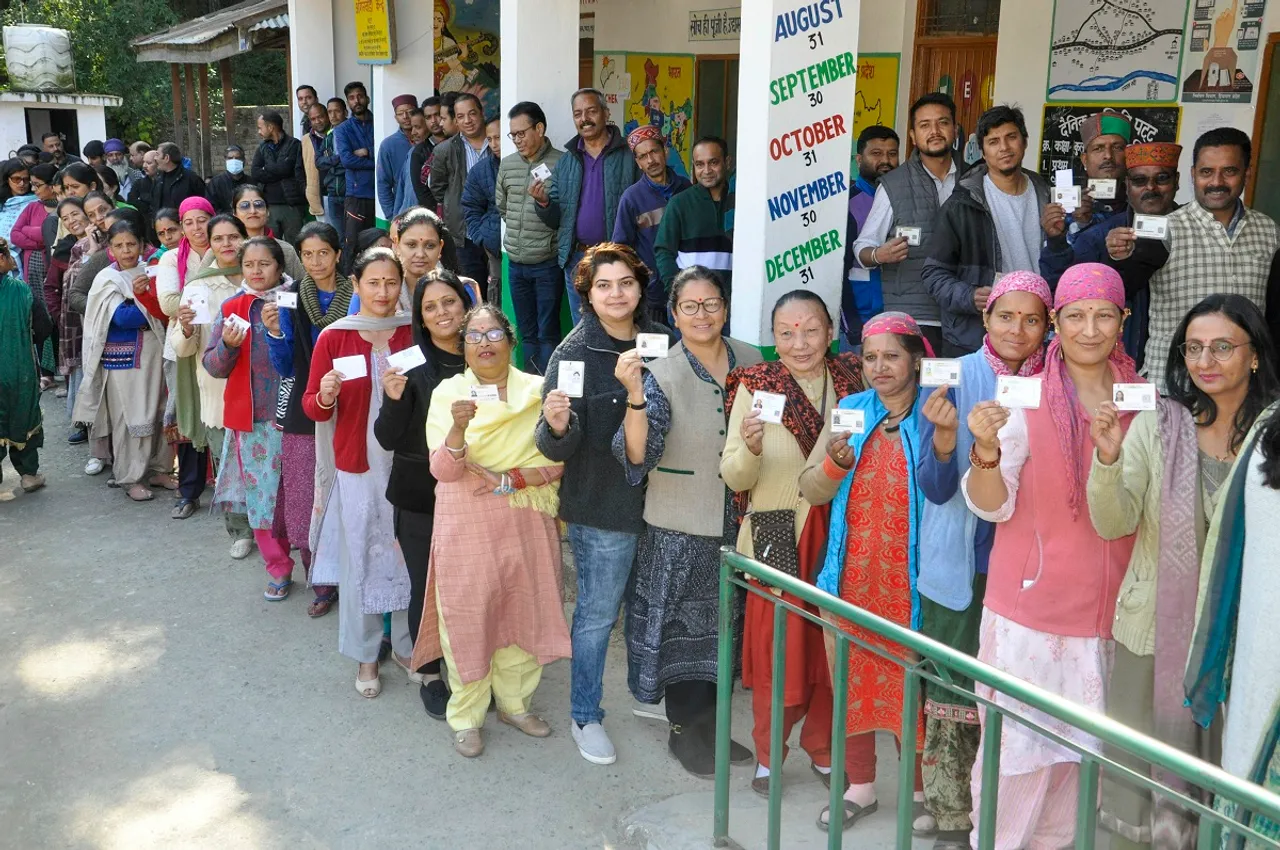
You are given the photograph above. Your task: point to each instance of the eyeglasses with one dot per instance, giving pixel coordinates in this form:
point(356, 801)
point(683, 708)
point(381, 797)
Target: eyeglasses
point(711, 305)
point(517, 136)
point(477, 337)
point(245, 206)
point(18, 178)
point(1221, 350)
point(1141, 181)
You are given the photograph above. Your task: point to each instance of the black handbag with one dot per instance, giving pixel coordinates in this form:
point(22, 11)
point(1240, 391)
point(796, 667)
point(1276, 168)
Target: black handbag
point(773, 537)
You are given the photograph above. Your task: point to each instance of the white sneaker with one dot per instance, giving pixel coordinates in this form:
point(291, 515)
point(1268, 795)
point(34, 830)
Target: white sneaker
point(593, 743)
point(94, 466)
point(650, 711)
point(240, 549)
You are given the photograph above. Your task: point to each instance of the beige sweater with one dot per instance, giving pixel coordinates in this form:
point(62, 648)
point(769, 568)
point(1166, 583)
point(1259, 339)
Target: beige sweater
point(211, 388)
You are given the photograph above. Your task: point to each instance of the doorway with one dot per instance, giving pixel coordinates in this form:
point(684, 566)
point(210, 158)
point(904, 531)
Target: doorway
point(61, 121)
point(1266, 134)
point(715, 106)
point(955, 53)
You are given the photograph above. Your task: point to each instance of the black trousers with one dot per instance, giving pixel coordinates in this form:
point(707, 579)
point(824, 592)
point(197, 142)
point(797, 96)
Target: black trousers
point(413, 530)
point(359, 214)
point(193, 470)
point(692, 705)
point(473, 262)
point(26, 461)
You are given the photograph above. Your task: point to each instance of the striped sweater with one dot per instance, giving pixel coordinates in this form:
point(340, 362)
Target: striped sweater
point(694, 231)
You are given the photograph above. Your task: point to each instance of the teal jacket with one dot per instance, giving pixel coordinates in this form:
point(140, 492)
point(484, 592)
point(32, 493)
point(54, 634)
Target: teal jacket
point(875, 412)
point(620, 171)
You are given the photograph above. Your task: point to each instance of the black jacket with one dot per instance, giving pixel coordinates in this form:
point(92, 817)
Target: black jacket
point(594, 491)
point(277, 168)
point(418, 158)
point(171, 189)
point(222, 190)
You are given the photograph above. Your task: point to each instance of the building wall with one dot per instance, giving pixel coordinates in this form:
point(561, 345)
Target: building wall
point(91, 121)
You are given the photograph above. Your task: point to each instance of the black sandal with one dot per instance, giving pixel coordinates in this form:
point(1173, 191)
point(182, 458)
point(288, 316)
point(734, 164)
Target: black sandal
point(852, 814)
point(185, 509)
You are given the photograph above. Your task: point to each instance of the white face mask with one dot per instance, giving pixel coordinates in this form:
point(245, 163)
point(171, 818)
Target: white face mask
point(235, 166)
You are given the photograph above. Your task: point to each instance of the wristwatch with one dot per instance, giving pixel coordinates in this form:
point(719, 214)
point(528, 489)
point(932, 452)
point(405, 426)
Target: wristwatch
point(641, 406)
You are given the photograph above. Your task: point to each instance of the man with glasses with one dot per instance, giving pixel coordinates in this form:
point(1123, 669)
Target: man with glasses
point(1214, 245)
point(393, 152)
point(533, 272)
point(222, 188)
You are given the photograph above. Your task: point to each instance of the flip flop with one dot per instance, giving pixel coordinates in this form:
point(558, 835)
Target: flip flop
point(852, 814)
point(139, 493)
point(281, 587)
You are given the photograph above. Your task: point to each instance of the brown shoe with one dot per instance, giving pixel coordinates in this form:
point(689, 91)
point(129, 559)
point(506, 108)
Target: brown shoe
point(760, 785)
point(468, 743)
point(32, 483)
point(530, 724)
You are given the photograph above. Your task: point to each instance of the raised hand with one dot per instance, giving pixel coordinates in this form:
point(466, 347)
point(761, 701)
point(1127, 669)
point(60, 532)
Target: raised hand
point(1106, 433)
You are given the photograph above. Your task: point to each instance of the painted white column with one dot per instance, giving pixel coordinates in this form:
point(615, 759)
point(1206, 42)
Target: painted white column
point(540, 62)
point(311, 53)
point(413, 72)
point(792, 167)
point(91, 123)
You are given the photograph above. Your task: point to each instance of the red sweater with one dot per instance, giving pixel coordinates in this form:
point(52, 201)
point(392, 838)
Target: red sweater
point(352, 407)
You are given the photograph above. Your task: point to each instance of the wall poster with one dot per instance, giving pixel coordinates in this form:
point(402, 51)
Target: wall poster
point(1225, 35)
point(1116, 50)
point(876, 99)
point(466, 49)
point(651, 88)
point(1060, 145)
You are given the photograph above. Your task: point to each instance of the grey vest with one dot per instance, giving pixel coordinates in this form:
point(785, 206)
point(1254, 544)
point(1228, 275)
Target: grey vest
point(914, 197)
point(686, 492)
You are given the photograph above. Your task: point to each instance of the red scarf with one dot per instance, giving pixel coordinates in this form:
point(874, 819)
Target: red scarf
point(237, 396)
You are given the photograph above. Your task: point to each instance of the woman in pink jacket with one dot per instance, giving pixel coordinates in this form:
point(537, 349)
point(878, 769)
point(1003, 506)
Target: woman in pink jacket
point(1052, 582)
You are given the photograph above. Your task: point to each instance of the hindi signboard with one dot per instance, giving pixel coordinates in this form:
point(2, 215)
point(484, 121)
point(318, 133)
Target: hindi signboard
point(375, 32)
point(1060, 144)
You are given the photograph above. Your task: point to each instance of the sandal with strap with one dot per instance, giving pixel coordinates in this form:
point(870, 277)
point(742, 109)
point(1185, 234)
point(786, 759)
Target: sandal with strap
point(139, 493)
point(185, 509)
point(281, 589)
point(368, 689)
point(852, 814)
point(322, 604)
point(414, 676)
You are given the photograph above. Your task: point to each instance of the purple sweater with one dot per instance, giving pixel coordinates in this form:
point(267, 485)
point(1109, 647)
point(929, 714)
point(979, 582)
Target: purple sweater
point(639, 211)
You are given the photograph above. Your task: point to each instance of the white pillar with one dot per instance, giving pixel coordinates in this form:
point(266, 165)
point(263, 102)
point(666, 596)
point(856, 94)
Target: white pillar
point(792, 167)
point(311, 52)
point(413, 72)
point(540, 62)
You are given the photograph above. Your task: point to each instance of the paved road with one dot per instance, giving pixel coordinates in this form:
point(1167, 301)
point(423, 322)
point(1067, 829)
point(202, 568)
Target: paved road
point(151, 698)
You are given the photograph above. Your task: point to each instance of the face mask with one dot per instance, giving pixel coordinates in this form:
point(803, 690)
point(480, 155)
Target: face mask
point(235, 166)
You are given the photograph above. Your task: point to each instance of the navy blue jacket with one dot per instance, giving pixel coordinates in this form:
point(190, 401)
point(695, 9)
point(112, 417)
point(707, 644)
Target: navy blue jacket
point(348, 137)
point(479, 207)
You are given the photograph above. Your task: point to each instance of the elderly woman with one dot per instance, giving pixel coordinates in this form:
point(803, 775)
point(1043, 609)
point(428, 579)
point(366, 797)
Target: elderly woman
point(951, 588)
point(440, 302)
point(355, 523)
point(871, 558)
point(199, 404)
point(672, 434)
point(604, 513)
point(762, 463)
point(494, 607)
point(123, 370)
point(1052, 579)
point(1163, 480)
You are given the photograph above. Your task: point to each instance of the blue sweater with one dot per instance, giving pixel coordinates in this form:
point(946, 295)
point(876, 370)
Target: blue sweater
point(350, 136)
point(392, 154)
point(479, 205)
point(281, 349)
point(639, 211)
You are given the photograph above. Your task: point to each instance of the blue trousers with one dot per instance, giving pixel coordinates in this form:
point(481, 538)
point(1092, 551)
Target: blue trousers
point(604, 560)
point(535, 293)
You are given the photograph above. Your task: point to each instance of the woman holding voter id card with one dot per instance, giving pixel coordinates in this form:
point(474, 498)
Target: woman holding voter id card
point(583, 406)
point(672, 434)
point(353, 531)
point(870, 558)
point(494, 609)
point(763, 458)
point(955, 545)
point(1163, 479)
point(1052, 579)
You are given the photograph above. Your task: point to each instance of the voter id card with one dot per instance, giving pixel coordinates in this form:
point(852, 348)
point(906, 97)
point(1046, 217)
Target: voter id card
point(541, 172)
point(848, 421)
point(287, 300)
point(1102, 188)
point(651, 345)
point(911, 234)
point(1067, 196)
point(1015, 392)
point(1134, 396)
point(939, 372)
point(571, 379)
point(769, 406)
point(484, 392)
point(234, 321)
point(351, 367)
point(1150, 226)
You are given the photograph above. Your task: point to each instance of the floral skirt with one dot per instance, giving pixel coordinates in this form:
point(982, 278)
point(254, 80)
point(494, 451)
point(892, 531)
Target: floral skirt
point(249, 475)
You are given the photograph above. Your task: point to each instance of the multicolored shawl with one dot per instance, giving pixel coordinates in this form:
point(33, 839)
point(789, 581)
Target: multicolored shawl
point(1081, 282)
point(309, 301)
point(1019, 281)
point(799, 416)
point(19, 379)
point(184, 246)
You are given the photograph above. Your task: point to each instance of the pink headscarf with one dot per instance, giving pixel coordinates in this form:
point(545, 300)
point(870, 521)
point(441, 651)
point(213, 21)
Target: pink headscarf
point(894, 322)
point(1079, 283)
point(1019, 281)
point(184, 247)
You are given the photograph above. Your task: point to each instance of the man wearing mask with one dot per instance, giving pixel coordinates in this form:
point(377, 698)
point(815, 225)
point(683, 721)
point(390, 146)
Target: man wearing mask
point(1214, 245)
point(353, 141)
point(450, 165)
point(277, 168)
point(117, 159)
point(222, 188)
point(989, 226)
point(174, 182)
point(52, 144)
point(479, 207)
point(894, 238)
point(582, 200)
point(307, 98)
point(312, 148)
point(694, 228)
point(393, 152)
point(332, 175)
point(877, 155)
point(642, 205)
point(533, 273)
point(419, 134)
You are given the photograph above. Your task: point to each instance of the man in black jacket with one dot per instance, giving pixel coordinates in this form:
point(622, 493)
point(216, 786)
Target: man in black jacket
point(278, 169)
point(174, 182)
point(990, 226)
point(222, 188)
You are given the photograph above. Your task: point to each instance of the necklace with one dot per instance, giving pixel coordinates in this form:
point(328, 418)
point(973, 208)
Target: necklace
point(893, 429)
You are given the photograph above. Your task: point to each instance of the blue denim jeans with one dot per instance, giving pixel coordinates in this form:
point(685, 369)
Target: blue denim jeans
point(535, 294)
point(603, 560)
point(575, 303)
point(333, 213)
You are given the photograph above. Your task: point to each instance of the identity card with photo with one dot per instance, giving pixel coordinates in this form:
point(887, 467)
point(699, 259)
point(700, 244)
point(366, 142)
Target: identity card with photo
point(911, 234)
point(572, 378)
point(1102, 188)
point(651, 345)
point(196, 299)
point(287, 300)
point(939, 372)
point(845, 421)
point(1013, 391)
point(407, 359)
point(1150, 226)
point(541, 172)
point(234, 321)
point(484, 392)
point(1134, 396)
point(1068, 197)
point(770, 406)
point(352, 367)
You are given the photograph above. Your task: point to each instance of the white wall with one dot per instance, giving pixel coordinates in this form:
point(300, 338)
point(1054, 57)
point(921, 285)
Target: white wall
point(13, 127)
point(91, 124)
point(312, 30)
point(345, 67)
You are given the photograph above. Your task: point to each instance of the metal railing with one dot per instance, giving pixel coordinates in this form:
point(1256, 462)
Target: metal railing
point(938, 663)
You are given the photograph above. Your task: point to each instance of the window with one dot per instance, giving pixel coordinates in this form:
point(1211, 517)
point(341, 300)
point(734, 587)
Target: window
point(958, 17)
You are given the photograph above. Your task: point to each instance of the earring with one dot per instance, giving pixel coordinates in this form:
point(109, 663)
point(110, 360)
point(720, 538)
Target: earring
point(1255, 366)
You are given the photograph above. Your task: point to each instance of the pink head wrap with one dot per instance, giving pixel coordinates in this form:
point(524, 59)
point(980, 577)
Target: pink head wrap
point(1080, 283)
point(184, 247)
point(894, 322)
point(1019, 281)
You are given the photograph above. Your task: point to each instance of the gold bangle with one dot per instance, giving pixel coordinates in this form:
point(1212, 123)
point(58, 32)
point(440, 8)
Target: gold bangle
point(324, 406)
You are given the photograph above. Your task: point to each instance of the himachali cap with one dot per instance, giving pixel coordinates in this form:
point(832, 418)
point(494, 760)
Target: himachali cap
point(403, 100)
point(1106, 124)
point(1162, 154)
point(645, 133)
